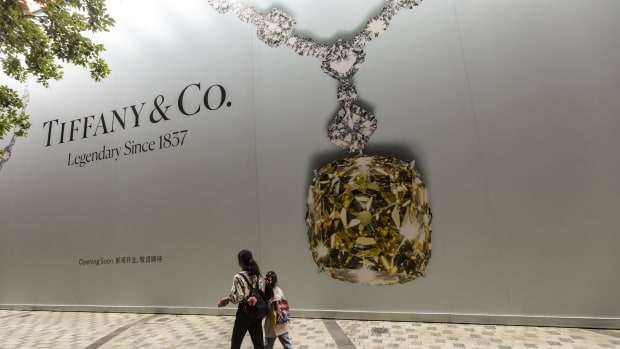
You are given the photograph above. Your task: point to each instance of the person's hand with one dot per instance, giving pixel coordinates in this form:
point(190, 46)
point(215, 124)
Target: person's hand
point(223, 302)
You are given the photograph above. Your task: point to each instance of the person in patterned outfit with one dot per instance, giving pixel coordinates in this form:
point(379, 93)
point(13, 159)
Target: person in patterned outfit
point(238, 293)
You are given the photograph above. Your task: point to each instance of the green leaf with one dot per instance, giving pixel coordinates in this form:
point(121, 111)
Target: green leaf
point(36, 45)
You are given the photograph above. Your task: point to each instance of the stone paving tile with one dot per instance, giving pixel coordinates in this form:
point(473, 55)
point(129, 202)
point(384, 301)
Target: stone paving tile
point(199, 331)
point(66, 330)
point(59, 329)
point(367, 334)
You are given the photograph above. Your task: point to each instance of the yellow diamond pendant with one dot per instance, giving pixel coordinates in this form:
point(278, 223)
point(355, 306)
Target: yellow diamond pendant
point(369, 220)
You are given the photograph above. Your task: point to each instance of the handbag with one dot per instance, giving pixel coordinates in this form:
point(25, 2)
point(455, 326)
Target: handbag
point(282, 311)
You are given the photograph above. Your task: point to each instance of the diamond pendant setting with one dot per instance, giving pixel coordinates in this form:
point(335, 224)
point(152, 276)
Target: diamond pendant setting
point(352, 127)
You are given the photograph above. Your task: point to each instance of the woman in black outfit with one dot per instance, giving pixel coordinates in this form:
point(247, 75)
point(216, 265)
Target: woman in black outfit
point(240, 290)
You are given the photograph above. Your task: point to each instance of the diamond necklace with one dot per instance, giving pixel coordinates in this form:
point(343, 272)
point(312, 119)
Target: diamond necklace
point(353, 125)
point(368, 216)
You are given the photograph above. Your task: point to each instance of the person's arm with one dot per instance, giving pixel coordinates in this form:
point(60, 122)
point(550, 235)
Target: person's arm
point(223, 302)
point(237, 293)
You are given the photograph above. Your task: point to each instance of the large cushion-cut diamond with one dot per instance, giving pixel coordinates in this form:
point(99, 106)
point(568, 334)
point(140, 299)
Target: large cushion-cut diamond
point(369, 221)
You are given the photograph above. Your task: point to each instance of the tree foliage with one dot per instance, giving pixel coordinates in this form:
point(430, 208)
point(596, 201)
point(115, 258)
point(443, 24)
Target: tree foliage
point(37, 44)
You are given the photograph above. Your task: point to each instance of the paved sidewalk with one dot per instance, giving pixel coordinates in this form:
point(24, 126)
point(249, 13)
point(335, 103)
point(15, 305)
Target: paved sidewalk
point(65, 330)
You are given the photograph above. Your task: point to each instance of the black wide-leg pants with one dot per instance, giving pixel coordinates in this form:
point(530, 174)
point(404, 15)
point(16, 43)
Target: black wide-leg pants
point(244, 324)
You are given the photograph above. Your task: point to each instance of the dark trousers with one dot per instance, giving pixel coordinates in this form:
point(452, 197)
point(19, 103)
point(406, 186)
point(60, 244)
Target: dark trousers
point(244, 324)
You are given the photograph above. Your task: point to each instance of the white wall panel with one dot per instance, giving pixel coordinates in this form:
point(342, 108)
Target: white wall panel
point(510, 110)
point(545, 80)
